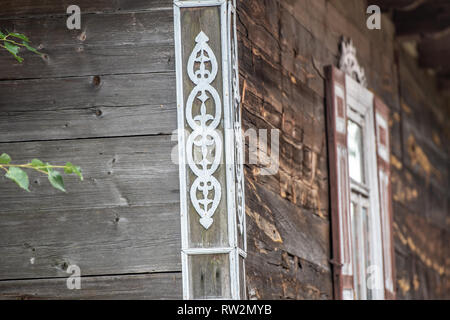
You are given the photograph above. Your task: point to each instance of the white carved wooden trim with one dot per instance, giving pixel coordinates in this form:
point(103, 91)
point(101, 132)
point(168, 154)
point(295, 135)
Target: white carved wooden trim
point(384, 178)
point(210, 150)
point(204, 140)
point(348, 62)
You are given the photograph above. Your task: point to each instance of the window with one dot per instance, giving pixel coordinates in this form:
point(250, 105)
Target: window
point(358, 141)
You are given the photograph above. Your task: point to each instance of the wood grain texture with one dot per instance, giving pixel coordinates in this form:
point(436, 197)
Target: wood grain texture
point(87, 92)
point(102, 97)
point(127, 287)
point(287, 213)
point(111, 78)
point(86, 107)
point(87, 123)
point(106, 44)
point(284, 47)
point(43, 243)
point(123, 218)
point(27, 8)
point(118, 172)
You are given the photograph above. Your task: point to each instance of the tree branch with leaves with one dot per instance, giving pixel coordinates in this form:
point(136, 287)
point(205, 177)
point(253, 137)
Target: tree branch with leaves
point(16, 172)
point(13, 42)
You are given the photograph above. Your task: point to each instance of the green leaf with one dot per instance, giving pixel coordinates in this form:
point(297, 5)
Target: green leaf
point(2, 35)
point(30, 48)
point(70, 168)
point(20, 36)
point(18, 176)
point(38, 164)
point(5, 158)
point(56, 179)
point(14, 50)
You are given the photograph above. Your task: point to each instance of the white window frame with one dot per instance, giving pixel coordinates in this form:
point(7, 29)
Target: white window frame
point(360, 110)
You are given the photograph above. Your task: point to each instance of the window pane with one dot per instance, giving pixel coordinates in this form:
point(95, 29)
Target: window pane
point(355, 150)
point(366, 219)
point(355, 256)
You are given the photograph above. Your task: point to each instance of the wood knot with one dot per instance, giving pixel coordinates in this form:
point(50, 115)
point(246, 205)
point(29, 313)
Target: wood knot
point(96, 81)
point(82, 36)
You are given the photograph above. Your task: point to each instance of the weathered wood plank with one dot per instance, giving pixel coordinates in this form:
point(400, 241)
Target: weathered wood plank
point(87, 92)
point(291, 278)
point(87, 123)
point(421, 251)
point(287, 213)
point(421, 197)
point(136, 287)
point(434, 52)
point(303, 168)
point(107, 44)
point(51, 7)
point(421, 155)
point(280, 224)
point(98, 30)
point(71, 62)
point(123, 218)
point(287, 243)
point(135, 171)
point(100, 241)
point(428, 18)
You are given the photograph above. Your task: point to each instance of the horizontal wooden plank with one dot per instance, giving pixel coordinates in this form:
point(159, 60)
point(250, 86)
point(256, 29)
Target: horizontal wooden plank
point(43, 243)
point(135, 171)
point(123, 218)
point(87, 92)
point(107, 44)
point(434, 52)
point(291, 278)
point(88, 123)
point(421, 155)
point(129, 287)
point(69, 62)
point(421, 197)
point(98, 30)
point(287, 245)
point(428, 18)
point(52, 7)
point(112, 37)
point(282, 225)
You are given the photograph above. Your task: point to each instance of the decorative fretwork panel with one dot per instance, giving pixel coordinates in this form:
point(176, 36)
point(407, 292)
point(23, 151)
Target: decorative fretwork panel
point(210, 150)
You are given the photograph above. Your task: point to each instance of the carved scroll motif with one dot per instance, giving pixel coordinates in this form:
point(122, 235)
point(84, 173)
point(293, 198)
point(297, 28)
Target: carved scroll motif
point(204, 143)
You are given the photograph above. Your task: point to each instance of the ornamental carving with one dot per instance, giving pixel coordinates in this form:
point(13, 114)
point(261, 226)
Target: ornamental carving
point(349, 63)
point(204, 143)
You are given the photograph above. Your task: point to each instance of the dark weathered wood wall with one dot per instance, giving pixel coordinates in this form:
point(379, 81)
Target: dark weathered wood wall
point(284, 46)
point(104, 98)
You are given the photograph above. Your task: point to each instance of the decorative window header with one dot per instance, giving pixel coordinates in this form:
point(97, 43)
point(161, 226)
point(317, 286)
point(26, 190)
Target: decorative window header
point(348, 62)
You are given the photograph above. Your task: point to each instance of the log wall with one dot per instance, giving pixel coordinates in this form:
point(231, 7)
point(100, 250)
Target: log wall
point(284, 47)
